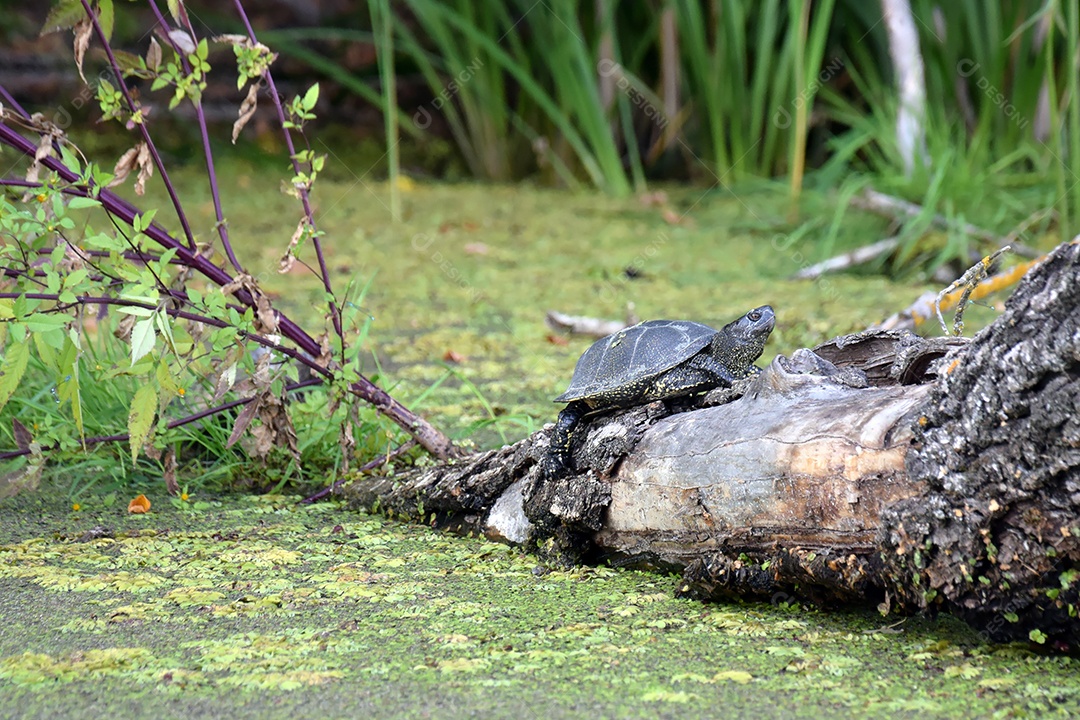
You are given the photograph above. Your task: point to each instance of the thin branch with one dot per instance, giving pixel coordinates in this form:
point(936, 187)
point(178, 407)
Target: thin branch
point(172, 312)
point(367, 467)
point(143, 130)
point(211, 172)
point(335, 312)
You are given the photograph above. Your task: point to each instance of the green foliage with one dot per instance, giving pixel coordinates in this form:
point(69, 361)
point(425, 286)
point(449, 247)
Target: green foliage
point(725, 91)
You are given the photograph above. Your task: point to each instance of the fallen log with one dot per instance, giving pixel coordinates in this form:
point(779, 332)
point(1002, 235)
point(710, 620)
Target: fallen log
point(919, 475)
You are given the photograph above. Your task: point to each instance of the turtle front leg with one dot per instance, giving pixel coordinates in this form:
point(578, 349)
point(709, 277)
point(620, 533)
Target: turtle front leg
point(721, 374)
point(557, 461)
point(698, 374)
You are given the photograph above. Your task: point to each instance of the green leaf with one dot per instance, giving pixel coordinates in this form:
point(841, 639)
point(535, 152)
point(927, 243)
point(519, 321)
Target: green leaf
point(310, 98)
point(42, 323)
point(78, 203)
point(105, 18)
point(12, 370)
point(67, 390)
point(63, 16)
point(142, 339)
point(164, 326)
point(141, 418)
point(135, 310)
point(176, 9)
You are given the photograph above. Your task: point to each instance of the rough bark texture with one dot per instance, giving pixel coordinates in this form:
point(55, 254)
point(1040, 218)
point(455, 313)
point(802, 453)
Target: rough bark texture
point(995, 538)
point(921, 474)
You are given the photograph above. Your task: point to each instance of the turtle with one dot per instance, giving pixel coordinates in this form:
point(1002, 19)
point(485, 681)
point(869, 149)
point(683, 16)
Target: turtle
point(655, 360)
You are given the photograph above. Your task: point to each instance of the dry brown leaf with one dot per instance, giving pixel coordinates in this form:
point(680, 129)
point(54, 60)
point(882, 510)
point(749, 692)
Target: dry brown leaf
point(225, 381)
point(138, 505)
point(453, 356)
point(124, 166)
point(123, 328)
point(243, 420)
point(247, 110)
point(182, 41)
point(265, 316)
point(23, 437)
point(285, 264)
point(557, 340)
point(83, 30)
point(153, 55)
point(170, 464)
point(146, 168)
point(227, 39)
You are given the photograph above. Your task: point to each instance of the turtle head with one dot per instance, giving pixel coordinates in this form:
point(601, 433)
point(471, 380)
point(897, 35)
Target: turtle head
point(740, 343)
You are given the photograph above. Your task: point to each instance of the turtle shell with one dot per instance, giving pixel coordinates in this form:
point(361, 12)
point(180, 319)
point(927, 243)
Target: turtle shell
point(635, 355)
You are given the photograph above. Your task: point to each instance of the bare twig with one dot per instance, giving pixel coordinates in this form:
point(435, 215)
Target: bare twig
point(928, 304)
point(367, 467)
point(965, 284)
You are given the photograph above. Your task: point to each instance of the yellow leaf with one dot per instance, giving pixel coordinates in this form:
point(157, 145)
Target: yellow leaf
point(141, 418)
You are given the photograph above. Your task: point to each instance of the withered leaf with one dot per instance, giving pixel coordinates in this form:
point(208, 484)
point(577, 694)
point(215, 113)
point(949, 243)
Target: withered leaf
point(170, 464)
point(146, 168)
point(285, 264)
point(247, 110)
point(225, 381)
point(124, 327)
point(23, 436)
point(83, 30)
point(139, 504)
point(182, 41)
point(127, 162)
point(153, 55)
point(243, 420)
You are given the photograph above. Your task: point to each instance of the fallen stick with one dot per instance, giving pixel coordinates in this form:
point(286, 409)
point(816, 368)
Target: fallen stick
point(589, 326)
point(859, 256)
point(896, 208)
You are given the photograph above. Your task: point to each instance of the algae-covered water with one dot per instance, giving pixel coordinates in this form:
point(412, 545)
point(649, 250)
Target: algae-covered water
point(242, 606)
point(258, 607)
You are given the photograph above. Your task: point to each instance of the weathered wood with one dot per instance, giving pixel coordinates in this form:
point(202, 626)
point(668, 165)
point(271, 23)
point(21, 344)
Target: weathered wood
point(995, 537)
point(919, 474)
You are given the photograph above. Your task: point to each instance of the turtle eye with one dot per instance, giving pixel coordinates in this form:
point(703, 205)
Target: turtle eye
point(755, 316)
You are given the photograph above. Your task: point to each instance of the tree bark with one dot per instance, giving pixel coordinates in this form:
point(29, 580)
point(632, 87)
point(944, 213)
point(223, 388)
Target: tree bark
point(882, 467)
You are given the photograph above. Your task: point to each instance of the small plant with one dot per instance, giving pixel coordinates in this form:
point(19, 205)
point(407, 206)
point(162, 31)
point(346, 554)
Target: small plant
point(82, 268)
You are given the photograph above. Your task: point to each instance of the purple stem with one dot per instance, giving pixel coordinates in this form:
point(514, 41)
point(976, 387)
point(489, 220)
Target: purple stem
point(222, 229)
point(172, 423)
point(142, 125)
point(173, 312)
point(334, 312)
point(8, 100)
